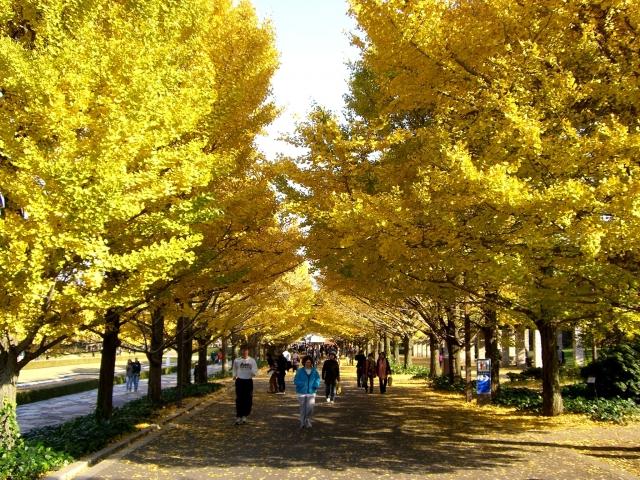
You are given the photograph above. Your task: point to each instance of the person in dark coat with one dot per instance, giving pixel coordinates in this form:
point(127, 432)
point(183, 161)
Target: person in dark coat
point(331, 376)
point(384, 370)
point(281, 362)
point(369, 372)
point(360, 359)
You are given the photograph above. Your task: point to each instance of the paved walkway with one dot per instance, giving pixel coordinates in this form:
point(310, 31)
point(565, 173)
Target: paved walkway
point(411, 432)
point(62, 409)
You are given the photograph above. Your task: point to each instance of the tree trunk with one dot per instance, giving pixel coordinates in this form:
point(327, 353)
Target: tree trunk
point(180, 352)
point(467, 351)
point(387, 345)
point(491, 351)
point(154, 355)
point(457, 364)
point(434, 361)
point(408, 351)
point(594, 350)
point(202, 360)
point(225, 363)
point(551, 397)
point(187, 351)
point(110, 344)
point(396, 349)
point(453, 350)
point(8, 381)
point(234, 349)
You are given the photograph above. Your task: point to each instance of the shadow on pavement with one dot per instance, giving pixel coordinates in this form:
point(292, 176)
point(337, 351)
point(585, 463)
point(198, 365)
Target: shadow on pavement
point(404, 433)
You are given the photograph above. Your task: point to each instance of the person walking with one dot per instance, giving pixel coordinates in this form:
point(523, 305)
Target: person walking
point(137, 368)
point(129, 375)
point(360, 359)
point(307, 382)
point(295, 361)
point(282, 371)
point(369, 373)
point(273, 377)
point(331, 376)
point(243, 370)
point(384, 370)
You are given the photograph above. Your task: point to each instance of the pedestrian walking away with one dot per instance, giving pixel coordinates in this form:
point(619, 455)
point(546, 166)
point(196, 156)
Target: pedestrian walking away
point(369, 373)
point(129, 375)
point(307, 382)
point(360, 359)
point(331, 376)
point(282, 371)
point(384, 370)
point(243, 370)
point(137, 368)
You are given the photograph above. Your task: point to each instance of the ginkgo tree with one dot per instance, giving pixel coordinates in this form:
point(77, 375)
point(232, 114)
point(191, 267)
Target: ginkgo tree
point(489, 149)
point(123, 125)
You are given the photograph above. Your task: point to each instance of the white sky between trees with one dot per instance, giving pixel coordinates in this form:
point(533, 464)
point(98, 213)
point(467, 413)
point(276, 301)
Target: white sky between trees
point(314, 48)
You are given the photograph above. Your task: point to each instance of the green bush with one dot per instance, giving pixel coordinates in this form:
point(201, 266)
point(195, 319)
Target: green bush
point(617, 410)
point(21, 460)
point(416, 370)
point(441, 382)
point(521, 398)
point(29, 396)
point(570, 373)
point(576, 390)
point(617, 371)
point(532, 373)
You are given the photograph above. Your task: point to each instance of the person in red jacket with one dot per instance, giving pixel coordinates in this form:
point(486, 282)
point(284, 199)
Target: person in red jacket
point(383, 369)
point(369, 372)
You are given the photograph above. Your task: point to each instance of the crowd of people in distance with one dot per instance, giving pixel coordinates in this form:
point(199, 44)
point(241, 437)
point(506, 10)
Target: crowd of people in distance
point(305, 360)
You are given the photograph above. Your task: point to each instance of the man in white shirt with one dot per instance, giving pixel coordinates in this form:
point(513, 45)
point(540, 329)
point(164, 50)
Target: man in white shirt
point(243, 370)
point(287, 355)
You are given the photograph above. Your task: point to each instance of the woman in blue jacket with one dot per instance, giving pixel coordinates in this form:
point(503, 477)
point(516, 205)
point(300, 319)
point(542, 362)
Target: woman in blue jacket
point(307, 381)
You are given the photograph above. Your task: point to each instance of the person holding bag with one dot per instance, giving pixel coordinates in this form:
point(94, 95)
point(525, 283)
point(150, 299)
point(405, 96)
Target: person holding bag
point(384, 371)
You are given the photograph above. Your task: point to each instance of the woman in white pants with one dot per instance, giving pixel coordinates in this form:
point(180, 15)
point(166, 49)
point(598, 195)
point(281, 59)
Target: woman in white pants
point(307, 381)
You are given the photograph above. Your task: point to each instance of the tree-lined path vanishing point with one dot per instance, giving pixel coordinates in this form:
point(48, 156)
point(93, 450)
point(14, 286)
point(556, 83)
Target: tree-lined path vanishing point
point(412, 432)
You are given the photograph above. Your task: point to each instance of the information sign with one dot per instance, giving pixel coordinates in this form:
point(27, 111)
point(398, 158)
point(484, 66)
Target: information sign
point(483, 376)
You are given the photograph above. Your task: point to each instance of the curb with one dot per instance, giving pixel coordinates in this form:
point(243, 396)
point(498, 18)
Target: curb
point(76, 468)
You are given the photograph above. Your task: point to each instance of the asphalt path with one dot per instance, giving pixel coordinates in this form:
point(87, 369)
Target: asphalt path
point(411, 432)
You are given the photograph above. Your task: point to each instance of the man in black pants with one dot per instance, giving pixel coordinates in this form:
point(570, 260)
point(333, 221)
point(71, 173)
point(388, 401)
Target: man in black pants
point(282, 371)
point(360, 358)
point(244, 369)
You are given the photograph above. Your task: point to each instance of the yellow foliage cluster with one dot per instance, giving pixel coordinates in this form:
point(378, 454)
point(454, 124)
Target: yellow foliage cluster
point(127, 161)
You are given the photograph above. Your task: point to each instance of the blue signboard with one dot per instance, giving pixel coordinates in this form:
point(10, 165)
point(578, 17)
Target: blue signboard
point(484, 376)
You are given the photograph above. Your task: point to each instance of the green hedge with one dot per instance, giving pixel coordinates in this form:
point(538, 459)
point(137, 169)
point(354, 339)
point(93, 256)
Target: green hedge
point(64, 362)
point(24, 397)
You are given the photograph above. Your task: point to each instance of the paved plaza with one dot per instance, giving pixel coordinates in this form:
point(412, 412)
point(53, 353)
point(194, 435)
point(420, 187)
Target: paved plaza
point(412, 432)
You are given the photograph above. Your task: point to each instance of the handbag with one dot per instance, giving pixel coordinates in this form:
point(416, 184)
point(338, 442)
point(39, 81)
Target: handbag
point(339, 388)
point(389, 380)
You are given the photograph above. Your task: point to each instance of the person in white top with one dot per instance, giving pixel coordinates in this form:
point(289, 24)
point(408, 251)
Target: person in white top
point(243, 370)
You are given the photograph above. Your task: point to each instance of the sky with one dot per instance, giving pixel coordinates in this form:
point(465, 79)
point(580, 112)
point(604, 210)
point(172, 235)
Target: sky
point(311, 36)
